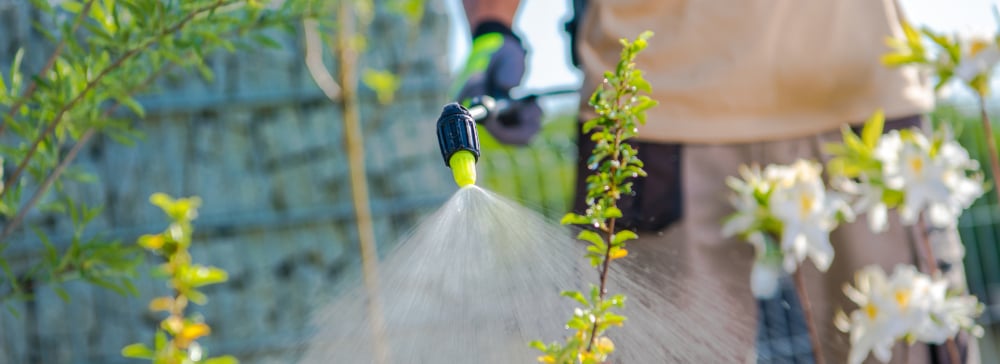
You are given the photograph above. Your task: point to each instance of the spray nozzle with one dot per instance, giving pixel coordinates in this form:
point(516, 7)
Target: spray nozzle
point(459, 142)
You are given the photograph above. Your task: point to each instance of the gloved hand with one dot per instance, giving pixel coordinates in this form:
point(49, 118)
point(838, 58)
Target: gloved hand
point(496, 65)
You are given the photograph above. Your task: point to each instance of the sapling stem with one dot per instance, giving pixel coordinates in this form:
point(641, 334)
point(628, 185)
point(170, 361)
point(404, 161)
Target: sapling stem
point(800, 289)
point(354, 143)
point(611, 235)
point(930, 261)
point(991, 146)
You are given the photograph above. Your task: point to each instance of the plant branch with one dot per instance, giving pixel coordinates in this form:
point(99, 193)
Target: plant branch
point(354, 142)
point(314, 61)
point(924, 241)
point(800, 289)
point(613, 171)
point(991, 145)
point(61, 167)
point(93, 83)
point(16, 221)
point(28, 92)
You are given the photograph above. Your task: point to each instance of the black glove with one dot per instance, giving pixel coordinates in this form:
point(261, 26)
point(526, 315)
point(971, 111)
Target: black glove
point(496, 65)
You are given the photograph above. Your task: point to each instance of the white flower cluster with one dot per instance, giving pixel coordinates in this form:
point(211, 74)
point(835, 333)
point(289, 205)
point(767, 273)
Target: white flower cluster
point(931, 175)
point(789, 203)
point(908, 305)
point(983, 55)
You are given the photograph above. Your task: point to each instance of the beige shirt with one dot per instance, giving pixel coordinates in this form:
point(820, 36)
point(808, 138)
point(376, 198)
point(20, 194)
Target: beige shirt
point(754, 70)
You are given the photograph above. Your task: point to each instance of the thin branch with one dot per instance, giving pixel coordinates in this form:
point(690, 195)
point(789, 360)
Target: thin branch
point(991, 146)
point(12, 224)
point(800, 288)
point(15, 176)
point(314, 61)
point(70, 156)
point(353, 139)
point(611, 235)
point(28, 92)
point(924, 241)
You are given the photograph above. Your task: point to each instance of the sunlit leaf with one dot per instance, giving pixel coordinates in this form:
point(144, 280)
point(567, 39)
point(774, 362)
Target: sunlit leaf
point(138, 351)
point(872, 130)
point(221, 360)
point(623, 236)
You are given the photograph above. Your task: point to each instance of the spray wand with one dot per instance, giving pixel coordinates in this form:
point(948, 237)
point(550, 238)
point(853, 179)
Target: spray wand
point(458, 137)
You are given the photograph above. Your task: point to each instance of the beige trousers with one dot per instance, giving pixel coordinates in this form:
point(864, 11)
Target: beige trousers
point(692, 277)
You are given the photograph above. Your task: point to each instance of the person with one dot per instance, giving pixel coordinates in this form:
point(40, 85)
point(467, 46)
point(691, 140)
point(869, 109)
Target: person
point(741, 82)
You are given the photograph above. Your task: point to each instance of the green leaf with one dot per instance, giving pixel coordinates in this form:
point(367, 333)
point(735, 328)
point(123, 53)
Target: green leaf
point(574, 219)
point(854, 142)
point(198, 276)
point(644, 103)
point(591, 236)
point(538, 345)
point(61, 292)
point(72, 6)
point(872, 130)
point(160, 340)
point(196, 296)
point(138, 351)
point(612, 213)
point(133, 105)
point(266, 41)
point(623, 236)
point(576, 296)
point(900, 59)
point(221, 360)
point(613, 319)
point(384, 84)
point(892, 198)
point(11, 278)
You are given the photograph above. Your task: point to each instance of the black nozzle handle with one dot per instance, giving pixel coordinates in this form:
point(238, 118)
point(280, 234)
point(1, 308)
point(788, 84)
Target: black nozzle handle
point(456, 130)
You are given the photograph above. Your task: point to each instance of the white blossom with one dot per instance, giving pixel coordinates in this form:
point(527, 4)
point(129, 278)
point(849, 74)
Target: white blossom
point(979, 62)
point(872, 327)
point(807, 213)
point(908, 305)
point(934, 182)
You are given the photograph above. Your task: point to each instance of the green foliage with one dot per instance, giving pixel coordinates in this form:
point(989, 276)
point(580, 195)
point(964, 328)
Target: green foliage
point(952, 58)
point(855, 156)
point(621, 108)
point(176, 339)
point(383, 83)
point(104, 53)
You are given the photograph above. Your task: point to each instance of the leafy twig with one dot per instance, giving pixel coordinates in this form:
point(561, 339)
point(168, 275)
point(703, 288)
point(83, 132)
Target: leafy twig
point(28, 92)
point(15, 176)
point(621, 109)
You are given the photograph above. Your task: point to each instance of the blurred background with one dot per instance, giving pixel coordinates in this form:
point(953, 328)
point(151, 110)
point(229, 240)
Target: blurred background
point(262, 146)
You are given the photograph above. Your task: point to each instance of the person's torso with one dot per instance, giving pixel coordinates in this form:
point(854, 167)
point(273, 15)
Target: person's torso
point(716, 63)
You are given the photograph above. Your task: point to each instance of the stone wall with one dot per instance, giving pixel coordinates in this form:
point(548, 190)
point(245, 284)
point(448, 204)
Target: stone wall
point(263, 149)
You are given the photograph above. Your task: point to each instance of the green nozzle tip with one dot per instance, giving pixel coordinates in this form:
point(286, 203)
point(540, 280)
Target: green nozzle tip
point(463, 167)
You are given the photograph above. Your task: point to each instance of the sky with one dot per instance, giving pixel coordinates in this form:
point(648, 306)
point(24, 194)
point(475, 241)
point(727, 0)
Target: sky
point(540, 24)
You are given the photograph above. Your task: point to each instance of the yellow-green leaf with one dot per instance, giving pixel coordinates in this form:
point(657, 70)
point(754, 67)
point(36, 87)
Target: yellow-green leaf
point(227, 359)
point(384, 83)
point(591, 236)
point(138, 351)
point(613, 213)
point(198, 276)
point(623, 236)
point(872, 130)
